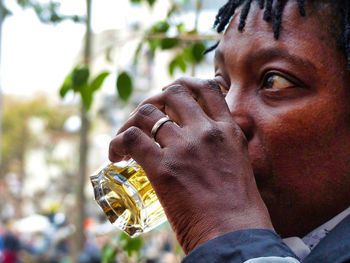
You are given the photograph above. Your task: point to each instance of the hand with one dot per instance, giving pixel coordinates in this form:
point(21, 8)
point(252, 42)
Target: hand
point(201, 172)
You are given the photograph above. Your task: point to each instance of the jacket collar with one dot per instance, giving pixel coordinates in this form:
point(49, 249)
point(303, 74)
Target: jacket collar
point(335, 247)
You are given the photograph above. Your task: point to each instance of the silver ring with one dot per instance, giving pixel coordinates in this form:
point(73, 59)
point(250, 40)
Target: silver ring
point(159, 124)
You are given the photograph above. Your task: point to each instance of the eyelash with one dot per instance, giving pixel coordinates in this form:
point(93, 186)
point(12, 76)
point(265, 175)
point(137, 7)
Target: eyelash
point(225, 88)
point(266, 76)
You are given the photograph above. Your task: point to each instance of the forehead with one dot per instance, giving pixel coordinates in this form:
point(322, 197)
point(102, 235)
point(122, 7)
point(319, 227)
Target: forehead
point(306, 37)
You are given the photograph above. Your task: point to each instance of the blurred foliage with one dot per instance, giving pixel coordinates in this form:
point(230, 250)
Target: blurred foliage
point(187, 47)
point(124, 85)
point(3, 10)
point(150, 2)
point(49, 12)
point(17, 135)
point(78, 82)
point(123, 246)
point(191, 54)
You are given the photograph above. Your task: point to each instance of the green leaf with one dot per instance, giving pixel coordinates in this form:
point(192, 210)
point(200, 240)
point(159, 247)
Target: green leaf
point(182, 64)
point(187, 54)
point(86, 96)
point(131, 245)
point(197, 51)
point(172, 67)
point(66, 86)
point(124, 85)
point(64, 90)
point(177, 62)
point(194, 53)
point(55, 18)
point(137, 52)
point(80, 76)
point(151, 2)
point(172, 10)
point(154, 44)
point(77, 19)
point(135, 1)
point(23, 3)
point(108, 54)
point(98, 81)
point(5, 11)
point(160, 27)
point(181, 28)
point(168, 43)
point(108, 253)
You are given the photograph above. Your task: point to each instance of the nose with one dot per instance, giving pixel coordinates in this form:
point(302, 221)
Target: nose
point(241, 112)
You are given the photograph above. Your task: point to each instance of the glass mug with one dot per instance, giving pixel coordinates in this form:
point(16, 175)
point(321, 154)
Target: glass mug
point(126, 196)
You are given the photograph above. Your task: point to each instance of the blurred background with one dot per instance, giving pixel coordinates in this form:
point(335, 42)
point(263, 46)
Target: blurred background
point(71, 72)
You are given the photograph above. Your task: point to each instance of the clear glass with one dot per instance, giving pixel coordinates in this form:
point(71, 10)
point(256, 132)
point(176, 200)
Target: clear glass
point(126, 196)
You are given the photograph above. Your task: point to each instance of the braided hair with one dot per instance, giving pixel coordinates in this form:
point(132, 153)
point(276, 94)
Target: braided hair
point(273, 11)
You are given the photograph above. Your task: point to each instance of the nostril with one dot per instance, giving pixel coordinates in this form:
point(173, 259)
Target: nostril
point(246, 124)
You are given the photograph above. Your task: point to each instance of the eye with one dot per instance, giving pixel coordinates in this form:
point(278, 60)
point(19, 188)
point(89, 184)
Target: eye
point(223, 86)
point(223, 89)
point(281, 86)
point(277, 82)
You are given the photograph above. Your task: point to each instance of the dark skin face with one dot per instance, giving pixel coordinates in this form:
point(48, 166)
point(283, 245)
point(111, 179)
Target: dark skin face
point(289, 97)
point(272, 143)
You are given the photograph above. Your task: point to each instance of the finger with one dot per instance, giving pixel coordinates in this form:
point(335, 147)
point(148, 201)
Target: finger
point(208, 95)
point(179, 105)
point(138, 145)
point(145, 118)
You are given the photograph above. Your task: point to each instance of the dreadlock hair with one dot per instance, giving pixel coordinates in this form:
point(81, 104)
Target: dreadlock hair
point(273, 11)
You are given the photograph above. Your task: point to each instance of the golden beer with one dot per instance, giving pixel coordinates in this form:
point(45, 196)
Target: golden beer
point(126, 196)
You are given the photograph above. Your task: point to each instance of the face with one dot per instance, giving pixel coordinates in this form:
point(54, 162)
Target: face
point(290, 98)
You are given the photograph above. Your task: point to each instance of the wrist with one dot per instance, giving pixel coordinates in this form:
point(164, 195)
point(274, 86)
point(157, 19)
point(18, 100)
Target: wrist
point(203, 230)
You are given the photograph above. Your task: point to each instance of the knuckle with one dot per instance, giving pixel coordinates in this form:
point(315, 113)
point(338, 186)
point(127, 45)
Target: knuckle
point(212, 85)
point(212, 134)
point(182, 80)
point(171, 169)
point(175, 89)
point(146, 110)
point(131, 136)
point(191, 148)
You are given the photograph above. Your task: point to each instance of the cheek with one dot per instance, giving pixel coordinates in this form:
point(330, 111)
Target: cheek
point(302, 139)
point(308, 151)
point(295, 131)
point(309, 127)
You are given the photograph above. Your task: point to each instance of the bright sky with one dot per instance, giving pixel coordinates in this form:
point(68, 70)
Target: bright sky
point(37, 57)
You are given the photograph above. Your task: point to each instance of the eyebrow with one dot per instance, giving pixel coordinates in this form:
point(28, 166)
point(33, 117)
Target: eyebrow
point(267, 54)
